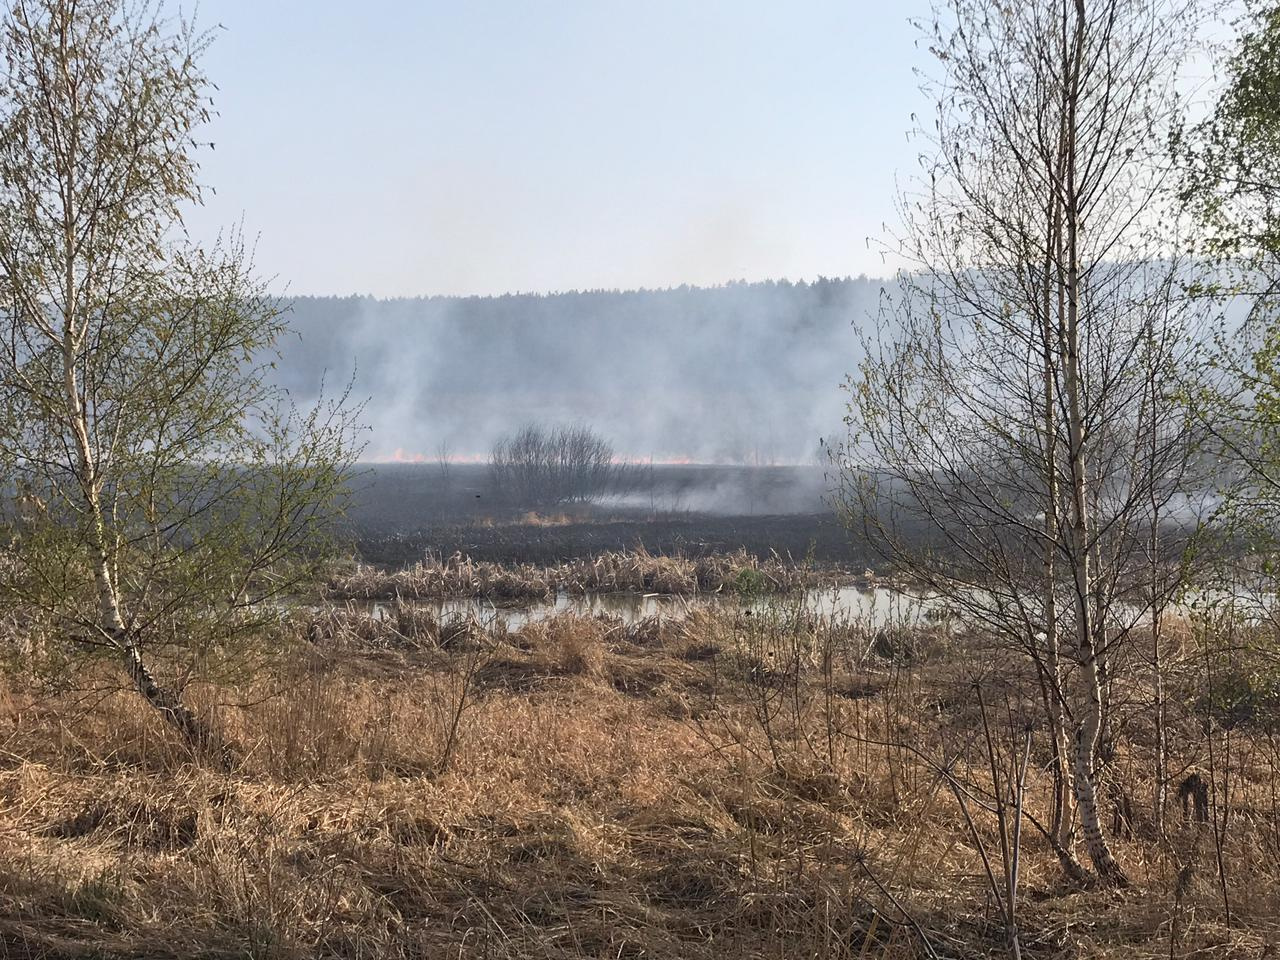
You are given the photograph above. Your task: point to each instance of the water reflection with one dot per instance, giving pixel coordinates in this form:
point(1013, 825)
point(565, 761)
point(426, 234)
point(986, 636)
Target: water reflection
point(874, 605)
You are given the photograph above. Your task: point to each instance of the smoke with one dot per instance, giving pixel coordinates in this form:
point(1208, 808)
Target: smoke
point(733, 491)
point(746, 373)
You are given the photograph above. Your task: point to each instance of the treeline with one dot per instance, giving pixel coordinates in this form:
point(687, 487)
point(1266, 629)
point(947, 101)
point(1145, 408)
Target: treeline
point(745, 372)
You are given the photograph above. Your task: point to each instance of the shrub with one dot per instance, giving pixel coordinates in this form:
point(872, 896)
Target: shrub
point(541, 466)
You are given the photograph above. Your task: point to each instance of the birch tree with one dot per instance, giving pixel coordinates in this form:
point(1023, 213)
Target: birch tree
point(1230, 164)
point(165, 492)
point(1014, 431)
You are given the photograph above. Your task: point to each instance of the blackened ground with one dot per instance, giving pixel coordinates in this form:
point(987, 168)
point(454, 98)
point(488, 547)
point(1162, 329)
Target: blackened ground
point(404, 511)
point(819, 537)
point(409, 496)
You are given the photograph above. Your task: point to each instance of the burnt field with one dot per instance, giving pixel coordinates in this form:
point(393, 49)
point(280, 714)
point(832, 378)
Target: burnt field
point(403, 512)
point(819, 537)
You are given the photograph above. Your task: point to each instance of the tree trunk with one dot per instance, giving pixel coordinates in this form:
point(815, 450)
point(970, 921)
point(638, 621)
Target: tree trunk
point(1089, 720)
point(1161, 798)
point(1155, 601)
point(110, 622)
point(179, 715)
point(1060, 827)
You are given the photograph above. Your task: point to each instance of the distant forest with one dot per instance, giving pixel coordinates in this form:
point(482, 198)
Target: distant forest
point(740, 373)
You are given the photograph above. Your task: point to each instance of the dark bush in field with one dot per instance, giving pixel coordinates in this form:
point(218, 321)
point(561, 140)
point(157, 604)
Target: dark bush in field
point(541, 466)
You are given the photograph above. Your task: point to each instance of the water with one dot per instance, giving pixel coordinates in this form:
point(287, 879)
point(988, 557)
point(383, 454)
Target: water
point(874, 605)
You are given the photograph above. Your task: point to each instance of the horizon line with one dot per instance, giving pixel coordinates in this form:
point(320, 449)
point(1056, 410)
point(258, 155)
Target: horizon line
point(617, 291)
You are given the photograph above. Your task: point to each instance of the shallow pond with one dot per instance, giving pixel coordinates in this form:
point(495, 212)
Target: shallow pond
point(874, 605)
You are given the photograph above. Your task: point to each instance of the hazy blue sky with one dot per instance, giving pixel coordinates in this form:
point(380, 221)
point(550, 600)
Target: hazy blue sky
point(481, 146)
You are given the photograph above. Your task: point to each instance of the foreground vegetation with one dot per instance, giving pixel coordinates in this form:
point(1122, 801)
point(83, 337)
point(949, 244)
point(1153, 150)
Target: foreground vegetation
point(724, 786)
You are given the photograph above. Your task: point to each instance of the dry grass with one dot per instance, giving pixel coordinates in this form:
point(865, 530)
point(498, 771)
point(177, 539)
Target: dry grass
point(725, 787)
point(398, 625)
point(627, 571)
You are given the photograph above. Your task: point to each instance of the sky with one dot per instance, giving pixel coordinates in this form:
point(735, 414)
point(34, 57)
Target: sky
point(488, 146)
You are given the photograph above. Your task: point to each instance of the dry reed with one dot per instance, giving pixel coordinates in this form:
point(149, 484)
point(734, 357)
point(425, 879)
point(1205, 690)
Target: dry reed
point(628, 571)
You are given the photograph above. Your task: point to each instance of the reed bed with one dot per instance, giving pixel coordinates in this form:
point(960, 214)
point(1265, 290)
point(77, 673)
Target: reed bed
point(635, 571)
point(723, 786)
point(398, 625)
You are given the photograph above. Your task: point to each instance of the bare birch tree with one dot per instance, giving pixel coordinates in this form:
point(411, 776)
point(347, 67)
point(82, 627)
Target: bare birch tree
point(1014, 431)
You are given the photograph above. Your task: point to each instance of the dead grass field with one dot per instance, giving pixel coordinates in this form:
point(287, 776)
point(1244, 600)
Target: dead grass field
point(724, 787)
